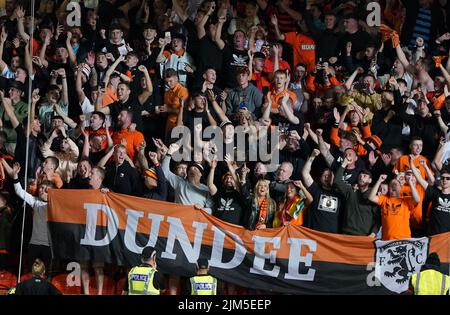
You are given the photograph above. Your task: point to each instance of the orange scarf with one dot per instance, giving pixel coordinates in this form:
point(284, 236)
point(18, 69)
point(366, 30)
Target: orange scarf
point(262, 212)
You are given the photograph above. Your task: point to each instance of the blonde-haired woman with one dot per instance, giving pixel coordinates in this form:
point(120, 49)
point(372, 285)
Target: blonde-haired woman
point(262, 207)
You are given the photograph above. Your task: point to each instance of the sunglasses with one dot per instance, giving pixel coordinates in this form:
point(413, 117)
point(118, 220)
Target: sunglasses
point(445, 177)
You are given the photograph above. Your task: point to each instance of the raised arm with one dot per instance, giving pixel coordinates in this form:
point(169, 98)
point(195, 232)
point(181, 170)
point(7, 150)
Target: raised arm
point(66, 118)
point(20, 15)
point(112, 68)
point(9, 110)
point(288, 110)
point(405, 62)
point(308, 196)
point(148, 91)
point(179, 11)
point(106, 157)
point(65, 89)
point(274, 21)
point(72, 56)
point(414, 193)
point(306, 171)
point(212, 188)
point(324, 148)
point(216, 106)
point(200, 25)
point(417, 174)
point(3, 37)
point(373, 197)
point(28, 59)
point(218, 38)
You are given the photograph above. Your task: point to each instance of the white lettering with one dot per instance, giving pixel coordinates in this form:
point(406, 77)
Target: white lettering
point(374, 17)
point(91, 225)
point(177, 231)
point(132, 227)
point(295, 259)
point(73, 278)
point(261, 256)
point(217, 250)
point(74, 17)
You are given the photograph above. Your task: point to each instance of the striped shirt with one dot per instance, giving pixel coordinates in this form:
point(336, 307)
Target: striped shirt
point(422, 28)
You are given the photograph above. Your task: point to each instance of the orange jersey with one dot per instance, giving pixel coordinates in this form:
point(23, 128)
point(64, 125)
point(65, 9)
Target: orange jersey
point(277, 97)
point(134, 139)
point(304, 49)
point(403, 165)
point(395, 214)
point(416, 215)
point(172, 100)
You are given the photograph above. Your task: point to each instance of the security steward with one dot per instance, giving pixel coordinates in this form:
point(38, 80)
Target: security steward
point(145, 278)
point(37, 285)
point(430, 280)
point(203, 283)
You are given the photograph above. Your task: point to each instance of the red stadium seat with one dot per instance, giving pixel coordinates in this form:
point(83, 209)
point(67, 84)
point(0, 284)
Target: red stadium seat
point(7, 281)
point(60, 282)
point(26, 276)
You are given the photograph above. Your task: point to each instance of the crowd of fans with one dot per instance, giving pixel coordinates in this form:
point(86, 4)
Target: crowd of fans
point(361, 113)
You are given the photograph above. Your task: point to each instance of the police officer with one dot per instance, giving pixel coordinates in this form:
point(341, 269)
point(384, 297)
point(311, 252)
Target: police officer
point(203, 283)
point(430, 280)
point(145, 278)
point(36, 285)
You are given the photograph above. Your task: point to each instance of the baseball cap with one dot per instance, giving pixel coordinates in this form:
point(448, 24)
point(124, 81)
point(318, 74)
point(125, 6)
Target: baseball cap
point(198, 166)
point(259, 54)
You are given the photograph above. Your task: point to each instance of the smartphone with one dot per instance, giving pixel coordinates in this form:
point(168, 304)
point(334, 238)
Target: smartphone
point(167, 35)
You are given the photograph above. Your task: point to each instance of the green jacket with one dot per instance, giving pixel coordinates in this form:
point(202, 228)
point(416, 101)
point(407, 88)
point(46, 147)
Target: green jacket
point(21, 111)
point(361, 217)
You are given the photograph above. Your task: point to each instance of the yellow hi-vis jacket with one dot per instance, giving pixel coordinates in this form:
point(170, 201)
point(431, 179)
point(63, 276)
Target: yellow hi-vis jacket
point(140, 281)
point(430, 282)
point(203, 285)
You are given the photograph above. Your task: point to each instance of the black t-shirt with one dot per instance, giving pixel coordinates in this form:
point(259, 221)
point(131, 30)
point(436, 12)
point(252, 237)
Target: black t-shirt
point(233, 59)
point(229, 207)
point(207, 55)
point(350, 175)
point(192, 117)
point(440, 210)
point(36, 286)
point(132, 104)
point(325, 211)
point(35, 157)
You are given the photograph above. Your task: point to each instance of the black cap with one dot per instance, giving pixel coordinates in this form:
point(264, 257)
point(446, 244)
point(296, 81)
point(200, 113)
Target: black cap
point(179, 36)
point(17, 85)
point(148, 252)
point(351, 16)
point(259, 54)
point(198, 166)
point(365, 171)
point(202, 263)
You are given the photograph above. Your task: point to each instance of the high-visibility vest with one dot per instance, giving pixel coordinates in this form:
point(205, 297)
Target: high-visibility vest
point(140, 281)
point(203, 285)
point(430, 282)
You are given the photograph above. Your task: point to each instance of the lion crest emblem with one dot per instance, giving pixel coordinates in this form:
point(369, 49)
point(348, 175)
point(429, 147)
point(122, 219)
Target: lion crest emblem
point(397, 261)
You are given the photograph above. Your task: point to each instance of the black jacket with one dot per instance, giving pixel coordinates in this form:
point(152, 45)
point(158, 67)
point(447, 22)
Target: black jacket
point(123, 179)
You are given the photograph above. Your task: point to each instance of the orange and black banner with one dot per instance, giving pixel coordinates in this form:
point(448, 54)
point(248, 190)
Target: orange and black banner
point(114, 228)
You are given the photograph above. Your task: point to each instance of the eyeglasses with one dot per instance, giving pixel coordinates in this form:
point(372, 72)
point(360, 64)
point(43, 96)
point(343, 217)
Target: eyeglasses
point(445, 177)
